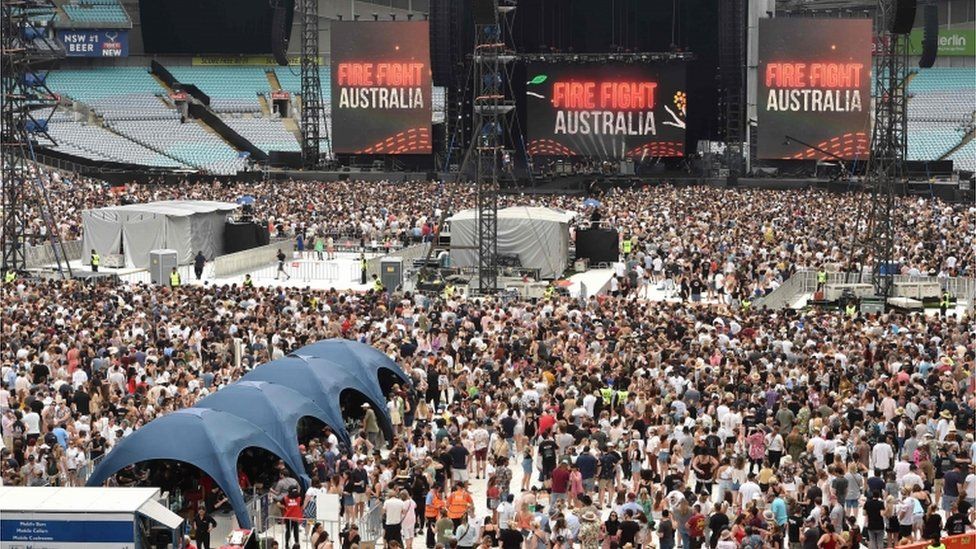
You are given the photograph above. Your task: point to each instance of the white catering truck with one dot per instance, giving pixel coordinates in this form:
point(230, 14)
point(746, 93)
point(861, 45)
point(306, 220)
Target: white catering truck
point(82, 518)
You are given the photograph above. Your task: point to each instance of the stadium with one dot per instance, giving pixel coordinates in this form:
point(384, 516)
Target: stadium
point(528, 274)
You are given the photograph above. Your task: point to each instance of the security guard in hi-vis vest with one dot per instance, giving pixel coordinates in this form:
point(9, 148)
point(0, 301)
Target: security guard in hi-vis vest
point(174, 279)
point(9, 276)
point(851, 309)
point(95, 261)
point(944, 302)
point(362, 268)
point(821, 279)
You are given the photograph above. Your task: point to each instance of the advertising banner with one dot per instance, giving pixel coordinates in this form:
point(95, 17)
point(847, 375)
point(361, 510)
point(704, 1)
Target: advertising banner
point(814, 96)
point(381, 87)
point(952, 42)
point(609, 111)
point(94, 43)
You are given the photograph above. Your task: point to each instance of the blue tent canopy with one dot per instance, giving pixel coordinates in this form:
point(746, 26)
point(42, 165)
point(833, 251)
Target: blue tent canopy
point(210, 440)
point(351, 354)
point(274, 408)
point(323, 382)
point(263, 410)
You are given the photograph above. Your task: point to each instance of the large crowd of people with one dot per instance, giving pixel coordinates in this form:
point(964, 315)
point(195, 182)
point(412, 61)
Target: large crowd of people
point(610, 421)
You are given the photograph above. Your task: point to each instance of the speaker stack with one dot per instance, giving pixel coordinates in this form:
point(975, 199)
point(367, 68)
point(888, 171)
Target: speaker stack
point(283, 11)
point(904, 17)
point(930, 40)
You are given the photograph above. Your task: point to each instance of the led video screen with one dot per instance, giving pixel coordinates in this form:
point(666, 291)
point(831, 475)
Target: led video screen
point(381, 87)
point(608, 111)
point(199, 27)
point(814, 88)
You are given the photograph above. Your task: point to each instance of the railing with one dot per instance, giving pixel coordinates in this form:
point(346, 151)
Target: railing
point(805, 282)
point(259, 507)
point(407, 254)
point(45, 254)
point(249, 260)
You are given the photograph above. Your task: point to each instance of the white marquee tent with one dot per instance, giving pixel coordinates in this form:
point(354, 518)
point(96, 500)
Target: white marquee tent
point(186, 226)
point(538, 236)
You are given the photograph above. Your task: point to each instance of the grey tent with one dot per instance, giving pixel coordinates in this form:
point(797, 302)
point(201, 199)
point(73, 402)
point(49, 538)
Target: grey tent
point(324, 382)
point(187, 226)
point(276, 409)
point(353, 354)
point(539, 237)
point(210, 440)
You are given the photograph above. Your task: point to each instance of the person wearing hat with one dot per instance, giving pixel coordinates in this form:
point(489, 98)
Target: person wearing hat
point(725, 540)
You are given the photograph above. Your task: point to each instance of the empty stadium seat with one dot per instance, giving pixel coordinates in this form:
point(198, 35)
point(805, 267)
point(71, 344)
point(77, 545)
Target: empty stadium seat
point(267, 134)
point(88, 85)
point(106, 13)
point(940, 109)
point(189, 142)
point(964, 158)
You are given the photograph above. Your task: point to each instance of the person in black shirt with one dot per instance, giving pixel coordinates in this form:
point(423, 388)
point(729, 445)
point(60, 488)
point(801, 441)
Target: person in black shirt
point(717, 522)
point(510, 537)
point(82, 401)
point(629, 529)
point(874, 509)
point(548, 451)
point(811, 534)
point(203, 523)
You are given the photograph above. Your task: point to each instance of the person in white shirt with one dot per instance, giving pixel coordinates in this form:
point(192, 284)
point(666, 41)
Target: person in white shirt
point(749, 490)
point(881, 456)
point(393, 519)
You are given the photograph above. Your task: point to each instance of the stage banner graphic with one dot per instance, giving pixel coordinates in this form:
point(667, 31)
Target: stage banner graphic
point(381, 87)
point(608, 111)
point(814, 88)
point(94, 43)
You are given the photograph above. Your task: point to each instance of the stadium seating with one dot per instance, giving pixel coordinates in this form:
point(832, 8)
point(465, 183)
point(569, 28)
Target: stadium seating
point(105, 13)
point(98, 143)
point(964, 158)
point(940, 110)
point(189, 142)
point(231, 89)
point(89, 85)
point(931, 141)
point(266, 134)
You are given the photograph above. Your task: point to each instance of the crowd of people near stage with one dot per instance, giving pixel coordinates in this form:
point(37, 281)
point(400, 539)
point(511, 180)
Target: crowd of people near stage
point(607, 422)
point(725, 240)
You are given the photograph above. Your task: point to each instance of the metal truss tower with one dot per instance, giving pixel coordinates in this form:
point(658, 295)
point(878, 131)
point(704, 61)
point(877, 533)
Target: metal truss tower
point(732, 63)
point(492, 107)
point(312, 109)
point(26, 106)
point(888, 145)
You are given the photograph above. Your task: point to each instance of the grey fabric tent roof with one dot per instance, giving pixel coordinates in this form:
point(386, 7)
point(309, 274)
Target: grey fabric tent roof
point(174, 207)
point(211, 440)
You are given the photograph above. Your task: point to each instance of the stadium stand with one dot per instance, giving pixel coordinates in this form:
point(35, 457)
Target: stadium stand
point(98, 143)
point(90, 85)
point(104, 13)
point(964, 158)
point(941, 114)
point(231, 89)
point(266, 134)
point(931, 140)
point(189, 142)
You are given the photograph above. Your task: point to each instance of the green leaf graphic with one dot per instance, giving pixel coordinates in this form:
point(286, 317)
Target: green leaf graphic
point(538, 79)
